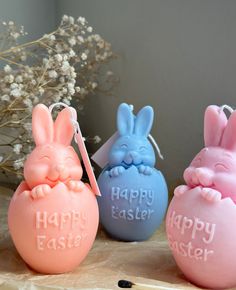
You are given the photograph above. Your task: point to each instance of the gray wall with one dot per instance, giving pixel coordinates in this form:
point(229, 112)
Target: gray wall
point(176, 55)
point(38, 17)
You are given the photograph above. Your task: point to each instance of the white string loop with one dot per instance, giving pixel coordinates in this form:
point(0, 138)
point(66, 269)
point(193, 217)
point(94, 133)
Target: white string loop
point(154, 143)
point(52, 106)
point(73, 120)
point(227, 107)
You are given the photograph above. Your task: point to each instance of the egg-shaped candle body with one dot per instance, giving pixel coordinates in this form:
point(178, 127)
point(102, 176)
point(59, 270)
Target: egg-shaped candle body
point(54, 234)
point(134, 193)
point(132, 205)
point(201, 219)
point(202, 238)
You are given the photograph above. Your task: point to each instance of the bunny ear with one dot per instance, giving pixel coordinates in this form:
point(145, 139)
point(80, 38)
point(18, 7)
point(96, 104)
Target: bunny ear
point(63, 127)
point(215, 122)
point(229, 136)
point(42, 125)
point(125, 120)
point(143, 121)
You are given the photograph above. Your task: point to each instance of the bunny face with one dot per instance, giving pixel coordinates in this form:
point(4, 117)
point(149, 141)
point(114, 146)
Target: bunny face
point(132, 146)
point(215, 165)
point(50, 164)
point(53, 160)
point(132, 150)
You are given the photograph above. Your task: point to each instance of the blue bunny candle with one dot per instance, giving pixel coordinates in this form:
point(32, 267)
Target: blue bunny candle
point(134, 193)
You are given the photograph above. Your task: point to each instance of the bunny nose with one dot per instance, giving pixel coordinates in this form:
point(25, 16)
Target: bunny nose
point(62, 171)
point(58, 172)
point(131, 157)
point(133, 154)
point(60, 167)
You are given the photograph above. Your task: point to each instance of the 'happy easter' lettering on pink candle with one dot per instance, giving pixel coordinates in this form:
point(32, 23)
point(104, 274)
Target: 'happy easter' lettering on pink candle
point(193, 225)
point(72, 219)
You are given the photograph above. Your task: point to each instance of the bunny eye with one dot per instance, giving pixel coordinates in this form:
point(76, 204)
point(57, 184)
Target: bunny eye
point(45, 157)
point(123, 146)
point(142, 148)
point(69, 158)
point(221, 166)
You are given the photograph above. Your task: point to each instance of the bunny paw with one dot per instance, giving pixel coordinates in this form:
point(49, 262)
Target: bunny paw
point(146, 170)
point(40, 191)
point(75, 185)
point(211, 195)
point(26, 193)
point(180, 190)
point(116, 171)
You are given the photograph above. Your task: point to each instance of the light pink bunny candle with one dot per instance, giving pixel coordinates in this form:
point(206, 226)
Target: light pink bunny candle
point(201, 219)
point(53, 215)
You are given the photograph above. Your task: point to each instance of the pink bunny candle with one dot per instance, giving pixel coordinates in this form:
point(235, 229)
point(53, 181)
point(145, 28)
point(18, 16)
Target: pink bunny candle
point(53, 215)
point(201, 219)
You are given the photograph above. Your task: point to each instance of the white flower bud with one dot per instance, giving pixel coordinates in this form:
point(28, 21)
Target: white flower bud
point(59, 57)
point(52, 74)
point(72, 41)
point(15, 92)
point(5, 98)
point(17, 148)
point(80, 38)
point(81, 20)
point(97, 139)
point(52, 37)
point(94, 85)
point(19, 79)
point(71, 20)
point(7, 69)
point(84, 56)
point(65, 17)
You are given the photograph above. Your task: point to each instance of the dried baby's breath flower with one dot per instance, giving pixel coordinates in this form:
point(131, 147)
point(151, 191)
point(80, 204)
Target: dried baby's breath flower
point(7, 68)
point(84, 56)
point(52, 74)
point(65, 65)
point(18, 164)
point(17, 148)
point(97, 139)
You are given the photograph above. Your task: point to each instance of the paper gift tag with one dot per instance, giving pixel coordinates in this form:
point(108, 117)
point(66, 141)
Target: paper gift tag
point(87, 164)
point(101, 156)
